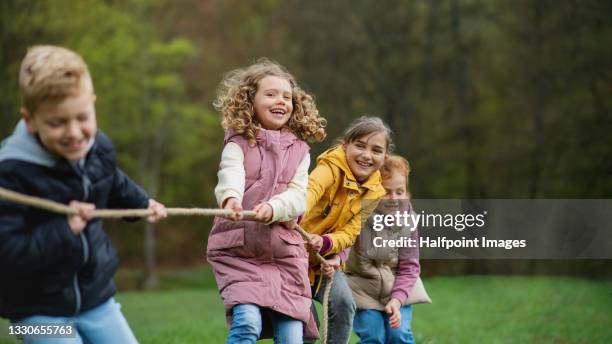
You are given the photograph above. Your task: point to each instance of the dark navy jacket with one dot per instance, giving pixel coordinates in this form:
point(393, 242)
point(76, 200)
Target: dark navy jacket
point(45, 269)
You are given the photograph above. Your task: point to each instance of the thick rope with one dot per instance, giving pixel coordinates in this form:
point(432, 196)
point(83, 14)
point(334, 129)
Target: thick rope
point(326, 291)
point(60, 208)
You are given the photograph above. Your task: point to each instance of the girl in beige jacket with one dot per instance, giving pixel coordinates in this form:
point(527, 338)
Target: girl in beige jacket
point(381, 277)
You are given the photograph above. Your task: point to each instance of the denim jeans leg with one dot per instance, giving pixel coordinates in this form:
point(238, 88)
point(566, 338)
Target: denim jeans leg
point(403, 334)
point(369, 326)
point(313, 309)
point(246, 324)
point(105, 324)
point(287, 330)
point(341, 311)
point(49, 320)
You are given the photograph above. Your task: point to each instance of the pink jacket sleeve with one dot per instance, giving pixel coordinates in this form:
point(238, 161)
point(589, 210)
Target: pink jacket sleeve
point(407, 273)
point(344, 254)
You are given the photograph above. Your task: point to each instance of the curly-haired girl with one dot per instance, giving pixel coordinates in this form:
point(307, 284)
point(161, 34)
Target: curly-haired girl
point(261, 266)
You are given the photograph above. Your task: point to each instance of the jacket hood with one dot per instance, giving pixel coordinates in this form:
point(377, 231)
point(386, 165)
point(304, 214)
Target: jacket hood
point(24, 146)
point(337, 156)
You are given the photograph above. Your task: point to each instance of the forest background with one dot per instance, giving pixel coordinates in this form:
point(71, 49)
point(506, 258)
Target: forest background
point(487, 99)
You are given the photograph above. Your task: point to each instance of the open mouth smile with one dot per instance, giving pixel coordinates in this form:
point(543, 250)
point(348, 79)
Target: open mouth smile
point(278, 112)
point(391, 203)
point(364, 164)
point(75, 145)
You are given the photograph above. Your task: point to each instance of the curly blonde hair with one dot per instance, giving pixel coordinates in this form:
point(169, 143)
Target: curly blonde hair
point(235, 97)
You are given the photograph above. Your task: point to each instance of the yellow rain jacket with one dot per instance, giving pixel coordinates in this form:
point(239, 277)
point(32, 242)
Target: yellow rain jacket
point(336, 203)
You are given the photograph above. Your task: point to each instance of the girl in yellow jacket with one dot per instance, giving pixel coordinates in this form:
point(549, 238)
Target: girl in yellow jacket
point(343, 189)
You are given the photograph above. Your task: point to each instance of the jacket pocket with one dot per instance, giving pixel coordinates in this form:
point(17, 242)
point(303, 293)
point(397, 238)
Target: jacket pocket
point(291, 245)
point(227, 239)
point(291, 238)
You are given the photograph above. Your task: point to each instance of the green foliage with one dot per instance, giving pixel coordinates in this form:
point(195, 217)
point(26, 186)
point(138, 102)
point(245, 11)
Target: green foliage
point(141, 95)
point(487, 99)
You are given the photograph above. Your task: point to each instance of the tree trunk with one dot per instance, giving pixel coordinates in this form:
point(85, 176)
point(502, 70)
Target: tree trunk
point(427, 71)
point(538, 104)
point(150, 181)
point(155, 156)
point(466, 103)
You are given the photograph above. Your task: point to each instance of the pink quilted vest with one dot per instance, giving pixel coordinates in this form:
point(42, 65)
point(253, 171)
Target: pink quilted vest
point(261, 264)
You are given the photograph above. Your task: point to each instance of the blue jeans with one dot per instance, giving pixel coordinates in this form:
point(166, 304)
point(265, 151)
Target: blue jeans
point(246, 326)
point(372, 327)
point(341, 310)
point(102, 324)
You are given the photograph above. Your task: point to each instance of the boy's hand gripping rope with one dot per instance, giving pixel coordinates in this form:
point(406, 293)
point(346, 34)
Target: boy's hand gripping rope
point(60, 208)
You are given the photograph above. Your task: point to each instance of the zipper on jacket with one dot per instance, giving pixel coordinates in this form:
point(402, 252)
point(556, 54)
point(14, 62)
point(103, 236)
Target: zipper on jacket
point(85, 183)
point(77, 294)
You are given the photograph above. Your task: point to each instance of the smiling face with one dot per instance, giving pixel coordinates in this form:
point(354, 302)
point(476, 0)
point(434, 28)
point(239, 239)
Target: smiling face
point(65, 127)
point(273, 102)
point(395, 186)
point(366, 154)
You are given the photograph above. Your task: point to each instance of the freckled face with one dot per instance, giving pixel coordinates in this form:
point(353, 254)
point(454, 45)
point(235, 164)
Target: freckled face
point(273, 102)
point(395, 186)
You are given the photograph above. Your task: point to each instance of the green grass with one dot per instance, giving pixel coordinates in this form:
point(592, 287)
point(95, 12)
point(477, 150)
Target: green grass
point(475, 309)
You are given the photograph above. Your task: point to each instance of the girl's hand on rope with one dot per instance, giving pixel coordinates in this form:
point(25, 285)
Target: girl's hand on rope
point(289, 224)
point(393, 309)
point(331, 265)
point(315, 243)
point(78, 221)
point(234, 205)
point(263, 212)
point(159, 211)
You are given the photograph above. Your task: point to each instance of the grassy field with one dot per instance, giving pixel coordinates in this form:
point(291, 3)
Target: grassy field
point(474, 309)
